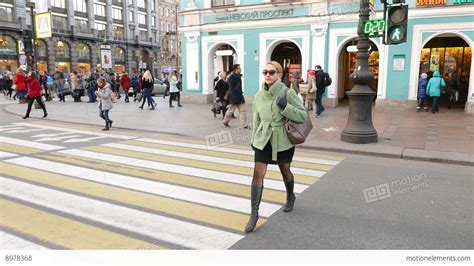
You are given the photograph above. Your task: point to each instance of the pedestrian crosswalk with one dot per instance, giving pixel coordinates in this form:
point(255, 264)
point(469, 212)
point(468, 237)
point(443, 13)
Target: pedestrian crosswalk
point(131, 192)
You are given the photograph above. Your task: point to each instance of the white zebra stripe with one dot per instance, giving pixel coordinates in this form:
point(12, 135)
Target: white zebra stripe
point(230, 150)
point(30, 144)
point(185, 170)
point(12, 242)
point(167, 229)
point(172, 191)
point(205, 158)
point(4, 154)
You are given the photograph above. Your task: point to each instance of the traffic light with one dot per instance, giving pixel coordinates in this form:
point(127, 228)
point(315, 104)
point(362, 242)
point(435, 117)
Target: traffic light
point(397, 24)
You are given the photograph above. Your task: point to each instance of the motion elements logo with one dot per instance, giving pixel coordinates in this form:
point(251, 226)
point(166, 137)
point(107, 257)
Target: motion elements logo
point(397, 187)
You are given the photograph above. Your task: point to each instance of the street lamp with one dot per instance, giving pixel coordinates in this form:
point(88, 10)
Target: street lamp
point(359, 128)
point(32, 40)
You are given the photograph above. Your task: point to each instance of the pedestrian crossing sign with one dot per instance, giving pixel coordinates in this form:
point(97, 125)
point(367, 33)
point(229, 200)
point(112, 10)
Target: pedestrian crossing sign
point(43, 25)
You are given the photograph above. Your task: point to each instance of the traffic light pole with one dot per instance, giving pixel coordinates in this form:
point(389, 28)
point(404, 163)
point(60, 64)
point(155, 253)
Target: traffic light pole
point(32, 40)
point(359, 128)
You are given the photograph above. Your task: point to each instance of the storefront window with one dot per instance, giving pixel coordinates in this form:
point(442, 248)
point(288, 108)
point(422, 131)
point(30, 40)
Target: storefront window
point(119, 55)
point(84, 68)
point(8, 54)
point(62, 50)
point(63, 67)
point(216, 3)
point(83, 52)
point(119, 68)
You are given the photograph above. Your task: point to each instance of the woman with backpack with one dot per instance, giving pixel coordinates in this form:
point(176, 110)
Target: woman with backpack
point(273, 104)
point(433, 89)
point(104, 93)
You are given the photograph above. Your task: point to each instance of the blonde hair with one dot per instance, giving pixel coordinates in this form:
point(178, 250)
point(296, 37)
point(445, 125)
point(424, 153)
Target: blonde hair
point(170, 77)
point(147, 76)
point(277, 66)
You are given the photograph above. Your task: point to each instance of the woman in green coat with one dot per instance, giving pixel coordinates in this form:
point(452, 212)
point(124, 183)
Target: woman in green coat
point(269, 139)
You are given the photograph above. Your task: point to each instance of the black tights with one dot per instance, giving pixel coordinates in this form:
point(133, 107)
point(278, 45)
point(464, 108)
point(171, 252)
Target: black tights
point(261, 169)
point(30, 103)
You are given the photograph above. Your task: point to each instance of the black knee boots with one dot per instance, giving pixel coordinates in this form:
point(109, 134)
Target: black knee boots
point(290, 196)
point(256, 197)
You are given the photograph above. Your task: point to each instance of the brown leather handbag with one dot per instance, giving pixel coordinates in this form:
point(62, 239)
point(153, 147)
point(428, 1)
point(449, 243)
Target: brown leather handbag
point(297, 132)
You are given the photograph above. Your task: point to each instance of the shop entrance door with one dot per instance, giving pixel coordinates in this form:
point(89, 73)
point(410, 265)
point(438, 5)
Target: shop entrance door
point(445, 53)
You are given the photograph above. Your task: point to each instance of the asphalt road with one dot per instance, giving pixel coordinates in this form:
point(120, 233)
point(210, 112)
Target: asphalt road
point(361, 203)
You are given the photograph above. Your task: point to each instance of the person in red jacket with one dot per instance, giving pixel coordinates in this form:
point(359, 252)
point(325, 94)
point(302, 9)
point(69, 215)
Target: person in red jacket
point(20, 78)
point(34, 93)
point(125, 84)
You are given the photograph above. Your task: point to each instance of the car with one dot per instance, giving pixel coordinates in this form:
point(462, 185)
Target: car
point(159, 88)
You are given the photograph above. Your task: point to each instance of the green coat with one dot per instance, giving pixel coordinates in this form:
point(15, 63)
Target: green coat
point(269, 119)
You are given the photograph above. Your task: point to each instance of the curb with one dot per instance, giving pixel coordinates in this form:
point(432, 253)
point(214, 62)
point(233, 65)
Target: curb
point(372, 150)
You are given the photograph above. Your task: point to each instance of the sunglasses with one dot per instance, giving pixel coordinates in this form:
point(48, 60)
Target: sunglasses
point(271, 72)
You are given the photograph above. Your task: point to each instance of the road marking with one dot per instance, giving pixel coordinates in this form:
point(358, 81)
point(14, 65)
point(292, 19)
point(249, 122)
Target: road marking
point(249, 158)
point(236, 151)
point(77, 131)
point(174, 231)
point(57, 138)
point(4, 154)
point(62, 231)
point(24, 130)
point(12, 242)
point(269, 195)
point(188, 194)
point(30, 144)
point(18, 149)
point(196, 212)
point(51, 135)
point(3, 129)
point(202, 173)
point(215, 160)
point(82, 140)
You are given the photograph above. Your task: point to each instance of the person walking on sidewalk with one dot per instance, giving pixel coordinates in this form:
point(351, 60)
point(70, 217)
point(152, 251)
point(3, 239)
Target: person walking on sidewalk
point(136, 86)
point(34, 93)
point(174, 91)
point(311, 95)
point(433, 89)
point(273, 104)
point(147, 83)
point(453, 87)
point(125, 84)
point(237, 100)
point(321, 88)
point(59, 82)
point(220, 90)
point(105, 101)
point(9, 84)
point(20, 81)
point(422, 97)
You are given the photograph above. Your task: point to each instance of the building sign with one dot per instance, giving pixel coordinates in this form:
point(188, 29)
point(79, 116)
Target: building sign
point(43, 25)
point(42, 6)
point(399, 63)
point(430, 2)
point(106, 56)
point(21, 47)
point(257, 15)
point(460, 2)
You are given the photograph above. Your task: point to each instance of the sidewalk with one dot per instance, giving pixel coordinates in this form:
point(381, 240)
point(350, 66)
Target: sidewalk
point(446, 137)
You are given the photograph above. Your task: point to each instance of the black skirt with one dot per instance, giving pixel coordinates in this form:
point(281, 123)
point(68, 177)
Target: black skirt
point(265, 155)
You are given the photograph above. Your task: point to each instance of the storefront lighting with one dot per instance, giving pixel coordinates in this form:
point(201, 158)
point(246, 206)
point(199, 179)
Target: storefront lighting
point(224, 52)
point(60, 44)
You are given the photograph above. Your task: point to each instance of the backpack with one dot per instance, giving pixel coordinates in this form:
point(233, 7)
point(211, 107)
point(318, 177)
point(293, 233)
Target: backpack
point(49, 80)
point(327, 80)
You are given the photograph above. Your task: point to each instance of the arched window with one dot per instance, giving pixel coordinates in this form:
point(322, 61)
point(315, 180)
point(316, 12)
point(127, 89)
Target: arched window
point(62, 50)
point(83, 52)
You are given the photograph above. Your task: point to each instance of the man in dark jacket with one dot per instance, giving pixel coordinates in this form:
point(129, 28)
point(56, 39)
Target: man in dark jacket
point(453, 86)
point(236, 98)
point(321, 88)
point(221, 88)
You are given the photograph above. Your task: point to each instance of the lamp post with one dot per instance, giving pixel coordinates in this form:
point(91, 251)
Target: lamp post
point(32, 40)
point(359, 127)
